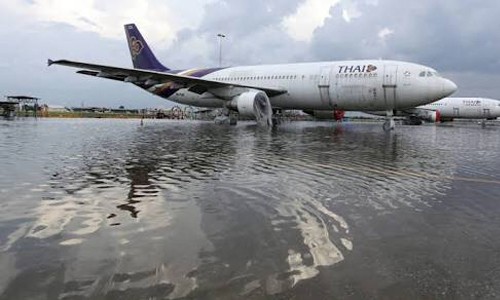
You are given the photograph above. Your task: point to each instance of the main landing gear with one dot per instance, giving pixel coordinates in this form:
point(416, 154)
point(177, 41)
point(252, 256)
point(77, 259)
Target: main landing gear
point(277, 117)
point(389, 123)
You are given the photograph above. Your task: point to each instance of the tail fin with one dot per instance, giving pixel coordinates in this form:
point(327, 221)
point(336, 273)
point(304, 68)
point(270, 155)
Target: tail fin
point(142, 56)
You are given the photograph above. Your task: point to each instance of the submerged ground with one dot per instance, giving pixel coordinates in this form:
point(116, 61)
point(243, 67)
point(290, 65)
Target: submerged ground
point(109, 209)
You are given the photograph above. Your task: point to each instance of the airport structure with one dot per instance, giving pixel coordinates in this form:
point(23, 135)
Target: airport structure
point(13, 104)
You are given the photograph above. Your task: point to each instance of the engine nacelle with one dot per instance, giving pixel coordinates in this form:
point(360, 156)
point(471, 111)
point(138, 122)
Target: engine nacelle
point(434, 116)
point(430, 116)
point(254, 104)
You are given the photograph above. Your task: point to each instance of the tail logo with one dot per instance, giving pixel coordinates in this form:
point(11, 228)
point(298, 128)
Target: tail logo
point(136, 47)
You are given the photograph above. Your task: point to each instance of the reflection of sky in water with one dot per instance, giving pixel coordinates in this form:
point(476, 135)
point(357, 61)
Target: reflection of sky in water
point(108, 207)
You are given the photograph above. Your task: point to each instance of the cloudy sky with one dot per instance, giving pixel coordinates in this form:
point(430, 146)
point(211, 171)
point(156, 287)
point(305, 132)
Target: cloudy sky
point(460, 38)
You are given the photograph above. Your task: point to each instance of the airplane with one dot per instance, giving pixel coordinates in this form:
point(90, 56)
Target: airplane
point(262, 91)
point(444, 110)
point(451, 108)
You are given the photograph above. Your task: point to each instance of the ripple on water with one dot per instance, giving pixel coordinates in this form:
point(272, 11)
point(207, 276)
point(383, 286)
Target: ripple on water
point(183, 208)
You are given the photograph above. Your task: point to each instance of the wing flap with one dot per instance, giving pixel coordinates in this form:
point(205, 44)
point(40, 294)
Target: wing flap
point(96, 74)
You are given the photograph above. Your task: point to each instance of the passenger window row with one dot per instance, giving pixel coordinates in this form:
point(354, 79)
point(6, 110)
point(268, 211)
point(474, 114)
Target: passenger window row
point(274, 77)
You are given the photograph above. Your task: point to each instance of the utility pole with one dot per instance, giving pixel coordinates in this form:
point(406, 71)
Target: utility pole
point(220, 36)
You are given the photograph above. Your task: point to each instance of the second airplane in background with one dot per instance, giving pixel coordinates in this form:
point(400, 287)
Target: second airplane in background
point(264, 90)
point(448, 109)
point(444, 110)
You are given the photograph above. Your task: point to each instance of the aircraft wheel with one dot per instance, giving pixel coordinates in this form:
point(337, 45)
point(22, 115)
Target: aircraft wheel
point(389, 125)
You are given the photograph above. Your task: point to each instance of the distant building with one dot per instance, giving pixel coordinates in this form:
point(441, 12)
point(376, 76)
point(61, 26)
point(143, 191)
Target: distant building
point(14, 104)
point(57, 108)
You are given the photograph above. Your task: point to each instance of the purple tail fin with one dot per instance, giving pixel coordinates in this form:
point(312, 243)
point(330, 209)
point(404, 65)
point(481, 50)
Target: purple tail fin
point(142, 56)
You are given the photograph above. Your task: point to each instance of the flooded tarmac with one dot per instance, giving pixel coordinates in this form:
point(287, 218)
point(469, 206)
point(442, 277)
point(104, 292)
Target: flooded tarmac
point(107, 209)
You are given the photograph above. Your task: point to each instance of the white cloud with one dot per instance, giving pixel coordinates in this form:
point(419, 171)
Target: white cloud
point(384, 33)
point(372, 2)
point(158, 20)
point(310, 15)
point(350, 11)
point(346, 16)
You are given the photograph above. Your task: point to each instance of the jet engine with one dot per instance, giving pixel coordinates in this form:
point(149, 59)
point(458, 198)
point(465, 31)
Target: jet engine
point(435, 116)
point(432, 116)
point(254, 104)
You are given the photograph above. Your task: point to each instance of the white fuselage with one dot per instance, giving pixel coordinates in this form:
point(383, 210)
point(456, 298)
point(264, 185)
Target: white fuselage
point(467, 108)
point(364, 85)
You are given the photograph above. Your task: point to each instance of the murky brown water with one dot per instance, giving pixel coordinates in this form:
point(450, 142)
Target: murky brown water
point(107, 209)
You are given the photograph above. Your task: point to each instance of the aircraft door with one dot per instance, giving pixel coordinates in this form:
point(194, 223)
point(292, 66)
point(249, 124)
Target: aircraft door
point(390, 85)
point(324, 87)
point(486, 113)
point(456, 112)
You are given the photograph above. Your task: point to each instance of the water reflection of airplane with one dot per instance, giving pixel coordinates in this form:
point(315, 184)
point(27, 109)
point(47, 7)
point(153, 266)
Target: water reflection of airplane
point(157, 161)
point(265, 90)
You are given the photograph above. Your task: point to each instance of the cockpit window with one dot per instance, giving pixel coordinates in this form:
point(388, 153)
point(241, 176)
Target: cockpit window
point(429, 74)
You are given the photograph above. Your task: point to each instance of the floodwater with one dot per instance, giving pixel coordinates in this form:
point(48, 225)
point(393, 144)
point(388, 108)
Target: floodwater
point(109, 209)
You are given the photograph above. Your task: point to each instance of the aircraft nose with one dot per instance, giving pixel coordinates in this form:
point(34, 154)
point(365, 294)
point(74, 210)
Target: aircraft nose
point(449, 87)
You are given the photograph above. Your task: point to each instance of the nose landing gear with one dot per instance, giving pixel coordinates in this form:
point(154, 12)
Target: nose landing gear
point(389, 123)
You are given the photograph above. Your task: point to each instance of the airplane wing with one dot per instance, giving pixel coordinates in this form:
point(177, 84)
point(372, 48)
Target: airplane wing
point(195, 84)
